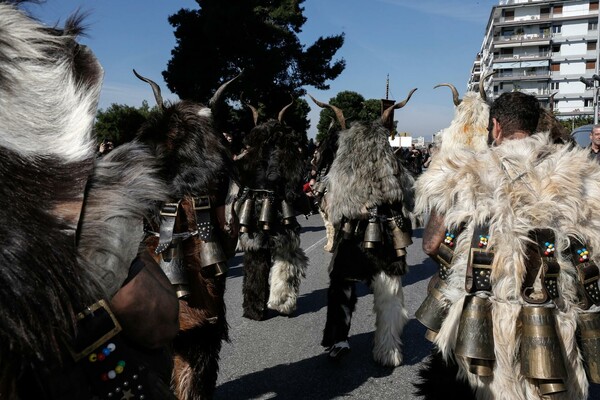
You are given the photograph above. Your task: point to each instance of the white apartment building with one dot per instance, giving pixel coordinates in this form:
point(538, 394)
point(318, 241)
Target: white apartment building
point(542, 47)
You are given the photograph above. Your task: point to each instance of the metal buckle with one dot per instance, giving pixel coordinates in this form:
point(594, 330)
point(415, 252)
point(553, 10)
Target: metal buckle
point(169, 210)
point(102, 309)
point(201, 203)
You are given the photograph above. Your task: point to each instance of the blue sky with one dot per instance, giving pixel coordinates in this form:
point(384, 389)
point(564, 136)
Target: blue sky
point(419, 43)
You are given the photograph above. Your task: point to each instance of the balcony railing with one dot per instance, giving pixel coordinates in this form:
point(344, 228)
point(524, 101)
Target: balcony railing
point(523, 36)
point(502, 57)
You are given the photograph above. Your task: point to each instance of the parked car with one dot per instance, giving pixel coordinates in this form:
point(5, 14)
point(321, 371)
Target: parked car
point(582, 135)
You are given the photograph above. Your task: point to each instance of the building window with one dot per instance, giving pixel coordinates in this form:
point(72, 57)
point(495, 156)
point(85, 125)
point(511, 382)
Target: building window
point(590, 65)
point(593, 25)
point(591, 46)
point(593, 5)
point(554, 85)
point(555, 67)
point(556, 48)
point(509, 15)
point(556, 29)
point(587, 103)
point(558, 9)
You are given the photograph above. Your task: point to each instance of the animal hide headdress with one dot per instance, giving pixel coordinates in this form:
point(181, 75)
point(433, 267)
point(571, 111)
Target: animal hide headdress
point(193, 157)
point(517, 187)
point(274, 160)
point(365, 173)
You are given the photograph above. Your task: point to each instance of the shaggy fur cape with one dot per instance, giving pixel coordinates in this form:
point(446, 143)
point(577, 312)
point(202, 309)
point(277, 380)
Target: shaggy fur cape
point(365, 173)
point(519, 186)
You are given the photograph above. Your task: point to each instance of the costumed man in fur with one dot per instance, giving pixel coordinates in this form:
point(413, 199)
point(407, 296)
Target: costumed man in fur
point(517, 295)
point(370, 198)
point(194, 233)
point(323, 160)
point(83, 313)
point(271, 176)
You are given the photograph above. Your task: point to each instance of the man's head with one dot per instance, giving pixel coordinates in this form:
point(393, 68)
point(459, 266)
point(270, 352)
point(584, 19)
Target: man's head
point(513, 115)
point(595, 137)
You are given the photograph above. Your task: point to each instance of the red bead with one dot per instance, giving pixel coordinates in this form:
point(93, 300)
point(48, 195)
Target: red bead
point(546, 253)
point(104, 376)
point(101, 357)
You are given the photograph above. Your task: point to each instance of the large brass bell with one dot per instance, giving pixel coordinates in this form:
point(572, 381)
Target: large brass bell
point(588, 328)
point(372, 233)
point(433, 310)
point(541, 353)
point(288, 212)
point(171, 262)
point(475, 337)
point(401, 240)
point(246, 214)
point(212, 255)
point(267, 212)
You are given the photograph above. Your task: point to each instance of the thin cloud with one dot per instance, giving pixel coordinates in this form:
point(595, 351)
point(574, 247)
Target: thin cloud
point(469, 11)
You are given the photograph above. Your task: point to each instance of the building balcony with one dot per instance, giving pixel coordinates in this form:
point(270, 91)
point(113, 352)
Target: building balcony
point(523, 57)
point(519, 75)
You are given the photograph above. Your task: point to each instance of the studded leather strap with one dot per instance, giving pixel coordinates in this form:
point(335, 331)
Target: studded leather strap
point(548, 269)
point(168, 215)
point(587, 271)
point(479, 264)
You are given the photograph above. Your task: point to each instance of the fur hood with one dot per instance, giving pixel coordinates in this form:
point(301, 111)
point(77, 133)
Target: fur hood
point(365, 172)
point(192, 156)
point(518, 186)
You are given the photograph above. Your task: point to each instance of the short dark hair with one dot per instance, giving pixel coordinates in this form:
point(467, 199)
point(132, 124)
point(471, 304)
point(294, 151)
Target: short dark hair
point(516, 111)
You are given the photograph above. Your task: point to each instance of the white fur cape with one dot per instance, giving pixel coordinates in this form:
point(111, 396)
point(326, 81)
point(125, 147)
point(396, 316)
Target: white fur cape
point(520, 185)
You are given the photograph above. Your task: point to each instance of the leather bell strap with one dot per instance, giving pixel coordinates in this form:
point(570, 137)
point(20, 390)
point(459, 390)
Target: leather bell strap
point(548, 269)
point(445, 253)
point(168, 216)
point(479, 263)
point(201, 206)
point(587, 272)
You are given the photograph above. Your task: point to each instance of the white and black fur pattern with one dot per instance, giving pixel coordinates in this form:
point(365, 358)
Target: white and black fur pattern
point(49, 89)
point(274, 262)
point(520, 185)
point(194, 160)
point(366, 173)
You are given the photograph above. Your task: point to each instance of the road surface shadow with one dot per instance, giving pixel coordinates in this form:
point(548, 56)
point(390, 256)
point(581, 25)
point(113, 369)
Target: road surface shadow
point(313, 378)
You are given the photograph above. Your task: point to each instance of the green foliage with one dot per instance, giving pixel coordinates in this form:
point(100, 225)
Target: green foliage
point(119, 123)
point(222, 37)
point(354, 107)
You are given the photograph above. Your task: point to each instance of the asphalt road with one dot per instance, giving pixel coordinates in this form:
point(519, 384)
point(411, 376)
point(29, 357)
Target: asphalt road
point(281, 357)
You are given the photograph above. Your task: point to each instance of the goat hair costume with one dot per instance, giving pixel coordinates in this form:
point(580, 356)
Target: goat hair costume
point(191, 235)
point(70, 224)
point(517, 293)
point(369, 201)
point(271, 176)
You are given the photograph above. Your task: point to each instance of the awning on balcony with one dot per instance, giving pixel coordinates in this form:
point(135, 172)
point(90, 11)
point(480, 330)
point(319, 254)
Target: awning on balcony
point(520, 64)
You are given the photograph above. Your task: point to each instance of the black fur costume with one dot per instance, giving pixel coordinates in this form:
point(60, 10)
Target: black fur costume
point(195, 161)
point(272, 168)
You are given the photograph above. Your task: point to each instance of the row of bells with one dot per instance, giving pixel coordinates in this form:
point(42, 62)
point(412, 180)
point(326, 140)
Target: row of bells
point(173, 264)
point(541, 353)
point(374, 234)
point(267, 214)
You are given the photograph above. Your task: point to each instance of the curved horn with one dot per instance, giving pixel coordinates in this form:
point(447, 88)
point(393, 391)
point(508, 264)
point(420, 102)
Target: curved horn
point(338, 112)
point(155, 89)
point(455, 97)
point(217, 96)
point(388, 111)
point(283, 110)
point(481, 88)
point(254, 113)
